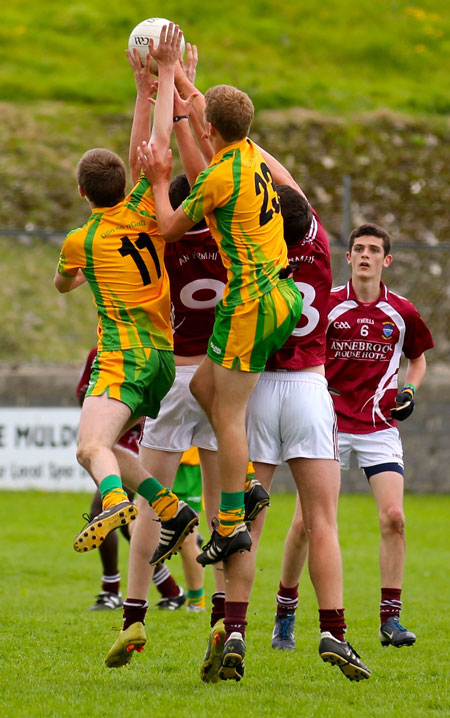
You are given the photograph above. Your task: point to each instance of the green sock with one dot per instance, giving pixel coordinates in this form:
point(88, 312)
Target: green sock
point(109, 483)
point(231, 500)
point(149, 488)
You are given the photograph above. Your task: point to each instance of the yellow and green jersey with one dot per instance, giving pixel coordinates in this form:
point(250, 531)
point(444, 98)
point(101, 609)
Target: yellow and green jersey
point(237, 197)
point(121, 252)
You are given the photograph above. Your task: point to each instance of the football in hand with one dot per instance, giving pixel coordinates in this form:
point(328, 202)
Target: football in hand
point(141, 34)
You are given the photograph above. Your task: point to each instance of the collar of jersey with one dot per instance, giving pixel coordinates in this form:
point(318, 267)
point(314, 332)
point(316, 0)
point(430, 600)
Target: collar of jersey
point(352, 295)
point(229, 148)
point(103, 210)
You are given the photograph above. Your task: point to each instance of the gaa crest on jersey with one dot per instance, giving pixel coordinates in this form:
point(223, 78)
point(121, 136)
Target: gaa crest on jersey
point(388, 330)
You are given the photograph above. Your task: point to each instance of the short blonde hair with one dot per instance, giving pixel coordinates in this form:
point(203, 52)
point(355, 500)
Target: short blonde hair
point(230, 110)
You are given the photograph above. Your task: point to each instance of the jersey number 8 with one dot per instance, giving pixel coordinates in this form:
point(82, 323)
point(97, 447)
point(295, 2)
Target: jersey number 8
point(308, 311)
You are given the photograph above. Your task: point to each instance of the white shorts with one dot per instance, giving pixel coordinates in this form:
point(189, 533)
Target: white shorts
point(290, 415)
point(181, 422)
point(378, 447)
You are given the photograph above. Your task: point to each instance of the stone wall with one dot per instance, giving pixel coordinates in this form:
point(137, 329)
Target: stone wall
point(426, 436)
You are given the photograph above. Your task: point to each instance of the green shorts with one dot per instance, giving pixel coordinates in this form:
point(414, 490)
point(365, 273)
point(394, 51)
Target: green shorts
point(188, 485)
point(139, 378)
point(246, 335)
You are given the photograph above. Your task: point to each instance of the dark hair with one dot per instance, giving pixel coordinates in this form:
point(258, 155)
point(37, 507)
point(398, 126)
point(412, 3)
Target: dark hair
point(230, 111)
point(179, 189)
point(296, 212)
point(371, 230)
point(102, 176)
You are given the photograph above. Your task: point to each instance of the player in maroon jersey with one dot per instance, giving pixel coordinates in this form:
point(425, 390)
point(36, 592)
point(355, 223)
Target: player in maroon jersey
point(109, 598)
point(296, 214)
point(369, 327)
point(291, 418)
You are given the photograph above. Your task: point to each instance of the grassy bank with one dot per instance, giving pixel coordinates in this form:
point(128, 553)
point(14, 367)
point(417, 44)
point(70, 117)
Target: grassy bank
point(333, 55)
point(399, 168)
point(66, 86)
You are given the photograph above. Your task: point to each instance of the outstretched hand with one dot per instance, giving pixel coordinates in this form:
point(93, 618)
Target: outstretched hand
point(183, 106)
point(146, 83)
point(168, 50)
point(156, 165)
point(190, 64)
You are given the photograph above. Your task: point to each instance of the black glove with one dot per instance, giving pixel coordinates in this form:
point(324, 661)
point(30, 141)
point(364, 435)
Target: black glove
point(404, 404)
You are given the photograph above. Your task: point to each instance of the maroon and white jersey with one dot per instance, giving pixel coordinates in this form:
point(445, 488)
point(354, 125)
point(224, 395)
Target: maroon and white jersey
point(130, 440)
point(197, 280)
point(306, 347)
point(364, 347)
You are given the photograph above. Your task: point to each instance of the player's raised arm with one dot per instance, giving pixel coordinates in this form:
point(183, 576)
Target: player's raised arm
point(157, 166)
point(185, 78)
point(166, 55)
point(155, 158)
point(279, 172)
point(145, 87)
point(185, 84)
point(189, 66)
point(191, 156)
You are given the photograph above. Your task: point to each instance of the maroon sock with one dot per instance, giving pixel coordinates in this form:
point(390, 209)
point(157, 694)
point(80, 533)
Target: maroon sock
point(134, 610)
point(111, 583)
point(235, 617)
point(287, 600)
point(333, 621)
point(391, 604)
point(218, 607)
point(168, 588)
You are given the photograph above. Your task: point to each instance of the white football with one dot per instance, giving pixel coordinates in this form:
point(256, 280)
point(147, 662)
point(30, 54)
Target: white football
point(140, 36)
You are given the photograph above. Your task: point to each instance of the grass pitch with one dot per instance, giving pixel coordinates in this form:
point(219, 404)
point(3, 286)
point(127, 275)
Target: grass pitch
point(52, 648)
point(333, 55)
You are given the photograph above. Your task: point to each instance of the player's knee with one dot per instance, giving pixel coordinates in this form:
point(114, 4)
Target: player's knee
point(392, 520)
point(298, 530)
point(85, 452)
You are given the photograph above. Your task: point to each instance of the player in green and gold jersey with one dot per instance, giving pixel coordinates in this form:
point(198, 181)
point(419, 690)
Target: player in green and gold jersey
point(260, 307)
point(119, 252)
